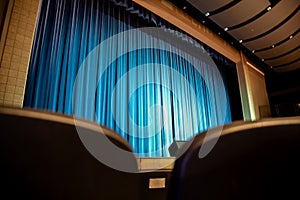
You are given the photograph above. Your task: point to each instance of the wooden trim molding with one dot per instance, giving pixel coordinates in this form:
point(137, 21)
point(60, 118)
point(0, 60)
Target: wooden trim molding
point(5, 27)
point(178, 18)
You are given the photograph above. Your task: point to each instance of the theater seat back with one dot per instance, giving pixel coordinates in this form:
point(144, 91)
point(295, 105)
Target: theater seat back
point(42, 157)
point(251, 160)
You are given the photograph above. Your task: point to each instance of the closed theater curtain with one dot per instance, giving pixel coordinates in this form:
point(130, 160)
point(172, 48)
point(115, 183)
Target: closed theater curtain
point(119, 65)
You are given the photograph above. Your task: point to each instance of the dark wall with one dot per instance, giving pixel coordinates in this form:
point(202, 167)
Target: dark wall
point(284, 93)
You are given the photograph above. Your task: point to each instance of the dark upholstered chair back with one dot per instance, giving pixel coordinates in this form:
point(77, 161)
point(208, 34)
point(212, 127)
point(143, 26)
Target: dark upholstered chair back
point(42, 157)
point(254, 160)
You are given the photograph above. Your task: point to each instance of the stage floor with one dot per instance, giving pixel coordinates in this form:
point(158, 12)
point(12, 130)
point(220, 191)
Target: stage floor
point(154, 164)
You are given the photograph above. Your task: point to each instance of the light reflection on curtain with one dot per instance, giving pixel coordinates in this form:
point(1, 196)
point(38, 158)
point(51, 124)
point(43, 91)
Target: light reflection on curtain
point(68, 31)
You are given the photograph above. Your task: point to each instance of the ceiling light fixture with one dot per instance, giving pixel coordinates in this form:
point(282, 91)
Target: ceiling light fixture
point(269, 8)
point(203, 22)
point(184, 7)
point(253, 51)
point(262, 59)
point(241, 41)
point(207, 14)
point(273, 46)
point(291, 36)
point(226, 29)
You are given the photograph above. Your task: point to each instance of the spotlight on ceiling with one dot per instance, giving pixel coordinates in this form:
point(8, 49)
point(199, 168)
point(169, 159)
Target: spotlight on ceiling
point(269, 8)
point(207, 14)
point(226, 29)
point(241, 41)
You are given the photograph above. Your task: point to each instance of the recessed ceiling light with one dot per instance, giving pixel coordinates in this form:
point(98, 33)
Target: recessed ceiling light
point(262, 59)
point(203, 21)
point(291, 36)
point(253, 51)
point(241, 41)
point(184, 7)
point(207, 14)
point(269, 8)
point(219, 33)
point(271, 66)
point(226, 29)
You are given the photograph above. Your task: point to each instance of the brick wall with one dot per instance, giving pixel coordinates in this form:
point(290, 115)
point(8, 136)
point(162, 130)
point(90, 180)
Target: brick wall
point(17, 50)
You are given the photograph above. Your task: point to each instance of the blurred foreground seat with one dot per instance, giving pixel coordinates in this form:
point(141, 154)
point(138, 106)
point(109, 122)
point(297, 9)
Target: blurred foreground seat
point(42, 157)
point(251, 160)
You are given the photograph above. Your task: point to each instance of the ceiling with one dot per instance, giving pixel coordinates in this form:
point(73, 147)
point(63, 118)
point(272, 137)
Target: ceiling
point(266, 30)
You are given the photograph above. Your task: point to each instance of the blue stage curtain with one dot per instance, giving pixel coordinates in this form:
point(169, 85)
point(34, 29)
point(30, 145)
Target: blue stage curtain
point(150, 115)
